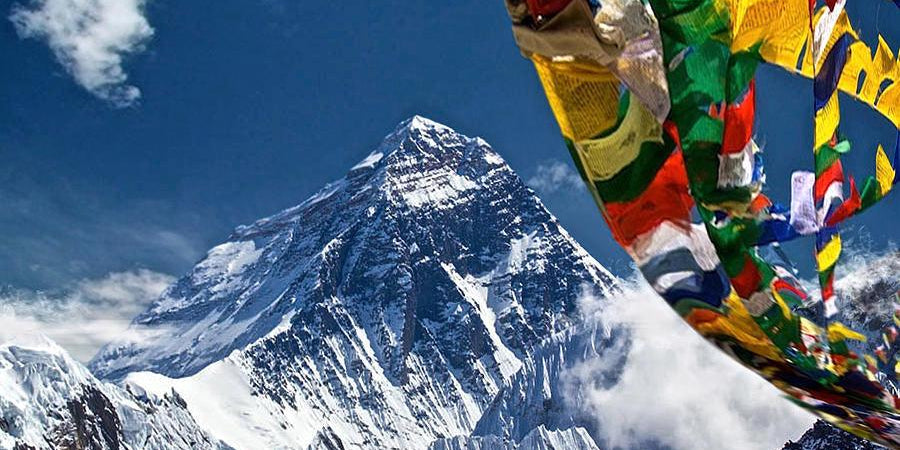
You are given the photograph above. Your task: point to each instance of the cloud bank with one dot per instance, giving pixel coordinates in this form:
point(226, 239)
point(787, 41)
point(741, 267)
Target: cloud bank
point(90, 38)
point(84, 316)
point(676, 390)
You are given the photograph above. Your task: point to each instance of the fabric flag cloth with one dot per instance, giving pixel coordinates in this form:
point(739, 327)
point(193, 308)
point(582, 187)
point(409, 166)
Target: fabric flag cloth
point(826, 80)
point(656, 105)
point(896, 152)
point(803, 208)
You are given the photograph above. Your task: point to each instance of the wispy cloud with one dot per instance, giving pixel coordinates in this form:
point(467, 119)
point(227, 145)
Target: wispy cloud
point(678, 390)
point(90, 38)
point(84, 316)
point(554, 176)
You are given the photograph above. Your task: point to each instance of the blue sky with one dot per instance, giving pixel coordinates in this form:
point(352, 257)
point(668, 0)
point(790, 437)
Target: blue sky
point(248, 107)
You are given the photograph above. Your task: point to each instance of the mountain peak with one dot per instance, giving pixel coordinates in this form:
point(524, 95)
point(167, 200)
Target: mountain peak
point(425, 143)
point(422, 124)
point(425, 192)
point(430, 270)
point(420, 163)
point(417, 137)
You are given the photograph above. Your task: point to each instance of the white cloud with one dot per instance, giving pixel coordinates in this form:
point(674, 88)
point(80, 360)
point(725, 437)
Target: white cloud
point(85, 316)
point(554, 176)
point(678, 390)
point(90, 38)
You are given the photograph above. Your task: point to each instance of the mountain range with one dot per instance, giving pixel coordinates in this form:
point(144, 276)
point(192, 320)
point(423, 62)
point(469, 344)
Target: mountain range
point(426, 300)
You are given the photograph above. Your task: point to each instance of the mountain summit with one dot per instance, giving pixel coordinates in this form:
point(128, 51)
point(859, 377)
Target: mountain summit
point(386, 311)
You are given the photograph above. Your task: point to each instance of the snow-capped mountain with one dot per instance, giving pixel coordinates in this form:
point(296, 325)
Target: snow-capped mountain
point(535, 396)
point(427, 300)
point(823, 436)
point(868, 296)
point(48, 400)
point(390, 310)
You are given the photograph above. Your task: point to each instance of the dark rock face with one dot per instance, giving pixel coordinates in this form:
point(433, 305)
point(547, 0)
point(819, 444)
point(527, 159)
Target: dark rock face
point(93, 424)
point(326, 439)
point(823, 436)
point(50, 401)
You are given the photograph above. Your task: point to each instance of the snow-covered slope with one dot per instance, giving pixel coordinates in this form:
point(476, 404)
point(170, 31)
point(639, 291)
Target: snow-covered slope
point(48, 400)
point(537, 396)
point(539, 438)
point(389, 310)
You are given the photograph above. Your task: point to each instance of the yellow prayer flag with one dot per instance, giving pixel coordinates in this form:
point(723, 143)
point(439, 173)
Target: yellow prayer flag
point(884, 173)
point(830, 253)
point(838, 332)
point(827, 120)
point(584, 98)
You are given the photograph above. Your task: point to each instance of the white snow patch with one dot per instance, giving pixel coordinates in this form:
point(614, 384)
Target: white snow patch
point(221, 400)
point(418, 122)
point(436, 189)
point(369, 161)
point(490, 157)
point(518, 253)
point(226, 260)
